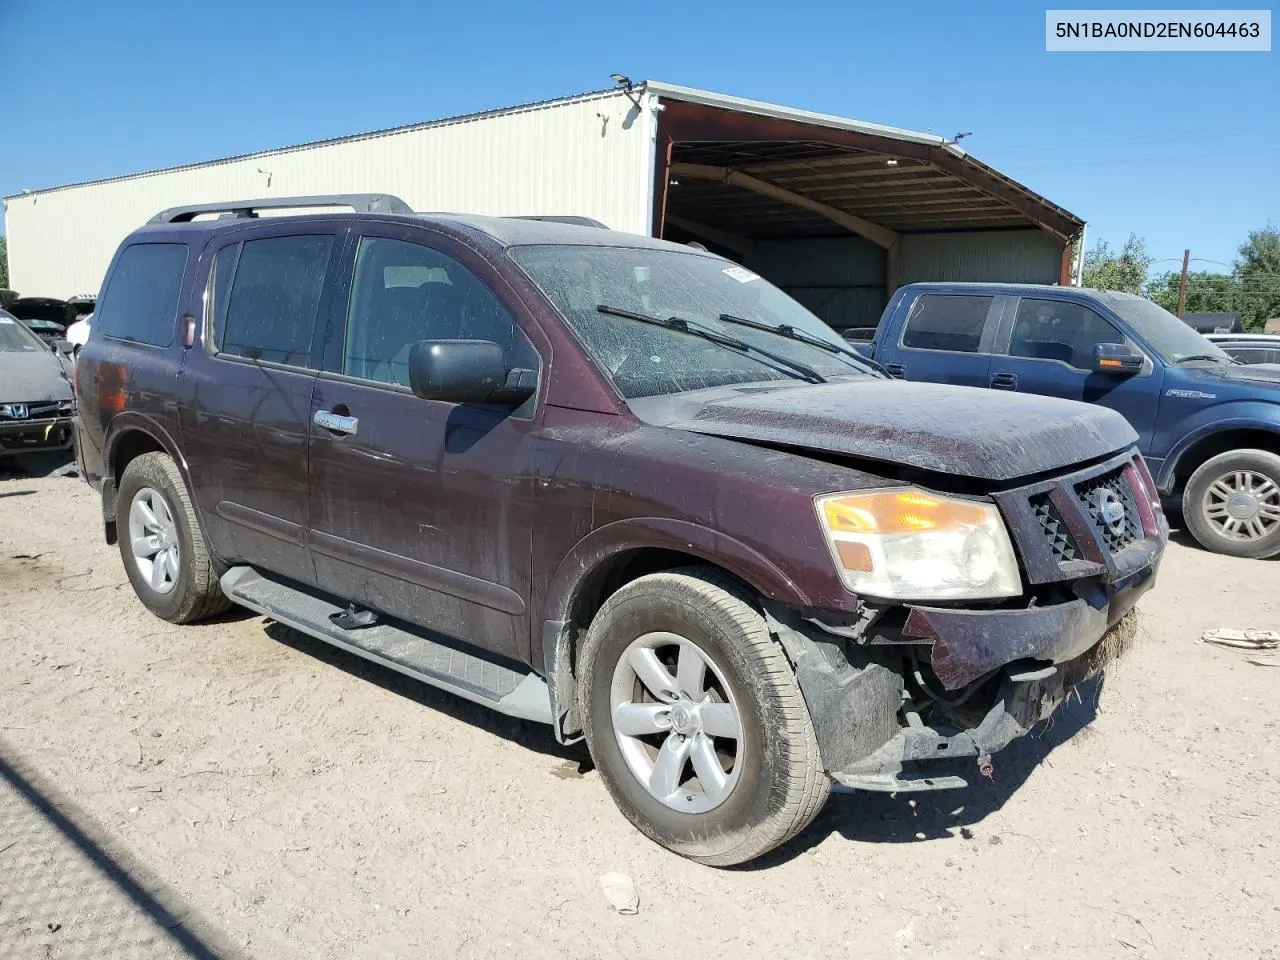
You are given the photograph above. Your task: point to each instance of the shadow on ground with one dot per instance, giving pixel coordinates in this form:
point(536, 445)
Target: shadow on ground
point(532, 736)
point(944, 814)
point(75, 894)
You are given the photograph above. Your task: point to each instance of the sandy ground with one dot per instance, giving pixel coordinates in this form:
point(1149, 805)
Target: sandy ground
point(237, 789)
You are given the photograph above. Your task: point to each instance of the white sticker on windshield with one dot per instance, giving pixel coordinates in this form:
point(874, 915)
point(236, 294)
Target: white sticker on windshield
point(741, 274)
point(6, 320)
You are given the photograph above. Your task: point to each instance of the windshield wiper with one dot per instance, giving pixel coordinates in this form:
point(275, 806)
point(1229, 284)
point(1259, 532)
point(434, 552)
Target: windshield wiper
point(695, 329)
point(800, 336)
point(1203, 356)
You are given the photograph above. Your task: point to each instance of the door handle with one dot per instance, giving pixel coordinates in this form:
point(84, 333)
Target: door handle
point(1003, 381)
point(896, 370)
point(336, 422)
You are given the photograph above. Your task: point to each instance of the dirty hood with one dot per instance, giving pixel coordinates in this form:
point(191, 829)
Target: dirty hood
point(963, 431)
point(32, 377)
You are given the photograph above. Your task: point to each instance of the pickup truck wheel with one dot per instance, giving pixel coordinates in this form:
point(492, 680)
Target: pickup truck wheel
point(695, 719)
point(161, 543)
point(1232, 504)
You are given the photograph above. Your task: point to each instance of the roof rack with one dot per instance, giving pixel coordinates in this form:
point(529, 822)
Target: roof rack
point(578, 221)
point(247, 209)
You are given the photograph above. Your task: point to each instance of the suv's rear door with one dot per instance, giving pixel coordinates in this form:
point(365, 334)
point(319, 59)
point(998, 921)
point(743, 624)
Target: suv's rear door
point(419, 508)
point(947, 338)
point(247, 394)
point(1046, 346)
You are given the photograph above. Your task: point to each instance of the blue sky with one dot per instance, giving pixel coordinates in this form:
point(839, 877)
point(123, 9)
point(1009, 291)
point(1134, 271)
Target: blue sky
point(1180, 148)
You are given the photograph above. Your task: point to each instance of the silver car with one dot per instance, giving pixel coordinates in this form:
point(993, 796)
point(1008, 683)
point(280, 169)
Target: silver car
point(36, 399)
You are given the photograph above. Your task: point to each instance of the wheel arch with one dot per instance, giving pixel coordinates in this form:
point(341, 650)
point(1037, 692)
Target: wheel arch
point(1211, 440)
point(614, 555)
point(131, 436)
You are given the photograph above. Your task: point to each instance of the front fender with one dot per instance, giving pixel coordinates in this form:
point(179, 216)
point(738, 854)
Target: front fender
point(1237, 415)
point(614, 539)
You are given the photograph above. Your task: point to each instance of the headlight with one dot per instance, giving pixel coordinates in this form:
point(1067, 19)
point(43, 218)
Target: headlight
point(907, 544)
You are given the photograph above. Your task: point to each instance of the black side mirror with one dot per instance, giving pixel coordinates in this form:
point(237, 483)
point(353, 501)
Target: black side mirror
point(63, 347)
point(1117, 359)
point(467, 371)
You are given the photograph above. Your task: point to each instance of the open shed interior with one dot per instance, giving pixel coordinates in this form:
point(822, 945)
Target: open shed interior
point(841, 218)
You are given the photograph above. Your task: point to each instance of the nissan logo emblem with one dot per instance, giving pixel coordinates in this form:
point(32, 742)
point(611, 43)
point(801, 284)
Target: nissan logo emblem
point(1110, 510)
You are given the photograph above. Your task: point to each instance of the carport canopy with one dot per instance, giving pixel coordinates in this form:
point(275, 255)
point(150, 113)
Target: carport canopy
point(738, 174)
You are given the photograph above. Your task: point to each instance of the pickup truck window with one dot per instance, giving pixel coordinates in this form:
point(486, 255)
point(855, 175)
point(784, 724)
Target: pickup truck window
point(405, 292)
point(141, 299)
point(1059, 330)
point(947, 322)
point(646, 359)
point(271, 305)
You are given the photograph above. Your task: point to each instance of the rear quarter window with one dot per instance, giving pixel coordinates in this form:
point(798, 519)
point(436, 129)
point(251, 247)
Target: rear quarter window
point(140, 302)
point(940, 321)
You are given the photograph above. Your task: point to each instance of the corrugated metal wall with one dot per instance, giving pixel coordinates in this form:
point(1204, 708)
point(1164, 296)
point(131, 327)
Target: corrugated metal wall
point(841, 279)
point(588, 156)
point(994, 256)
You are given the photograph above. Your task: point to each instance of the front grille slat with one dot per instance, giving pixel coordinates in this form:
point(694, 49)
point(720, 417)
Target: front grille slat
point(1061, 542)
point(1098, 493)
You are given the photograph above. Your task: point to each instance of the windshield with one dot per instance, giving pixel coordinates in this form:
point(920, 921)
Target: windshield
point(15, 338)
point(1169, 336)
point(647, 359)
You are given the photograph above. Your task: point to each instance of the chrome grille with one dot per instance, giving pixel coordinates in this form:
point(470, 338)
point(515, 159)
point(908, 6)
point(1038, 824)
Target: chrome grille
point(1110, 492)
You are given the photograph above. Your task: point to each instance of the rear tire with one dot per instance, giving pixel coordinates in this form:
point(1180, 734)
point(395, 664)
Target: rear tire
point(161, 544)
point(1231, 504)
point(753, 777)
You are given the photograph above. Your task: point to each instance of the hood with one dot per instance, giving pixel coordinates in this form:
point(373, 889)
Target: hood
point(1245, 374)
point(962, 431)
point(32, 377)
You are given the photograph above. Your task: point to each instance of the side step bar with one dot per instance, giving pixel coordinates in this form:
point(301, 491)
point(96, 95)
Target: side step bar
point(415, 654)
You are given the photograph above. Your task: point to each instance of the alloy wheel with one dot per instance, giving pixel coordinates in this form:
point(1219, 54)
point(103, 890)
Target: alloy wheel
point(1243, 505)
point(676, 722)
point(153, 540)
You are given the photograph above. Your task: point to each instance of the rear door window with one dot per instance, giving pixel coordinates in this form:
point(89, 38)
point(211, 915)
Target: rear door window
point(952, 322)
point(141, 299)
point(267, 296)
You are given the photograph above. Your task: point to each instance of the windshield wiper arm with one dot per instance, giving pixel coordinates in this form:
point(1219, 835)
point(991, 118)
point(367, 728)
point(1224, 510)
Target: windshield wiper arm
point(1200, 356)
point(791, 333)
point(693, 328)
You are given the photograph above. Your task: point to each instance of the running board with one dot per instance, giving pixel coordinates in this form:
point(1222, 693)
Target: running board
point(413, 653)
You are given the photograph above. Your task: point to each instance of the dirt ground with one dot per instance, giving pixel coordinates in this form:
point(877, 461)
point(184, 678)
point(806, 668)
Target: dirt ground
point(237, 789)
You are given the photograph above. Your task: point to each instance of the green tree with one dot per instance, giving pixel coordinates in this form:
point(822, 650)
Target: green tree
point(4, 263)
point(1206, 292)
point(1257, 270)
point(1125, 271)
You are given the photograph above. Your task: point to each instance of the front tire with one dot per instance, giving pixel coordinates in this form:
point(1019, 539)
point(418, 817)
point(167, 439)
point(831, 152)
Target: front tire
point(1231, 504)
point(695, 719)
point(161, 544)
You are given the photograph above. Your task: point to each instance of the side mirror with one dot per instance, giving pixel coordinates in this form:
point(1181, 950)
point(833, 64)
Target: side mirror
point(1117, 359)
point(467, 371)
point(63, 347)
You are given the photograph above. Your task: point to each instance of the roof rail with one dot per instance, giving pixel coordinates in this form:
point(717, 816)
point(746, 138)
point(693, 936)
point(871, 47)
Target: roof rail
point(578, 221)
point(246, 209)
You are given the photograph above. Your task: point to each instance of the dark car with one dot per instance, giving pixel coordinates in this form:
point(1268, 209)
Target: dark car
point(1209, 427)
point(35, 395)
point(47, 317)
point(612, 484)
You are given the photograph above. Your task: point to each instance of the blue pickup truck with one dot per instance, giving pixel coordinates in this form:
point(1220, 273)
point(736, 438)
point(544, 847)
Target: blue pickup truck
point(1208, 425)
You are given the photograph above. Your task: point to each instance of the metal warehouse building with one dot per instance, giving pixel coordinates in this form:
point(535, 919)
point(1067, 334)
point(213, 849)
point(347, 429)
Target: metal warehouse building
point(835, 211)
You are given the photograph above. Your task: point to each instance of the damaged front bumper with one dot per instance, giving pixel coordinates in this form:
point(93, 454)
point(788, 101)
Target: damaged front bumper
point(919, 698)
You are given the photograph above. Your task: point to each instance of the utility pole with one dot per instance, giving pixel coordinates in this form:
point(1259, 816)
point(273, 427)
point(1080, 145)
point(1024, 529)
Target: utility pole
point(1182, 287)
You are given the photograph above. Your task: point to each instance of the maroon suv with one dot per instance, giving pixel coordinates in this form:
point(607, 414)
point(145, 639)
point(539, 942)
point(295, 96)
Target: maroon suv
point(616, 485)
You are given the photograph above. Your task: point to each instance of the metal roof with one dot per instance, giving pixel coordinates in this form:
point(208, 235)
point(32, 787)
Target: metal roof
point(911, 181)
